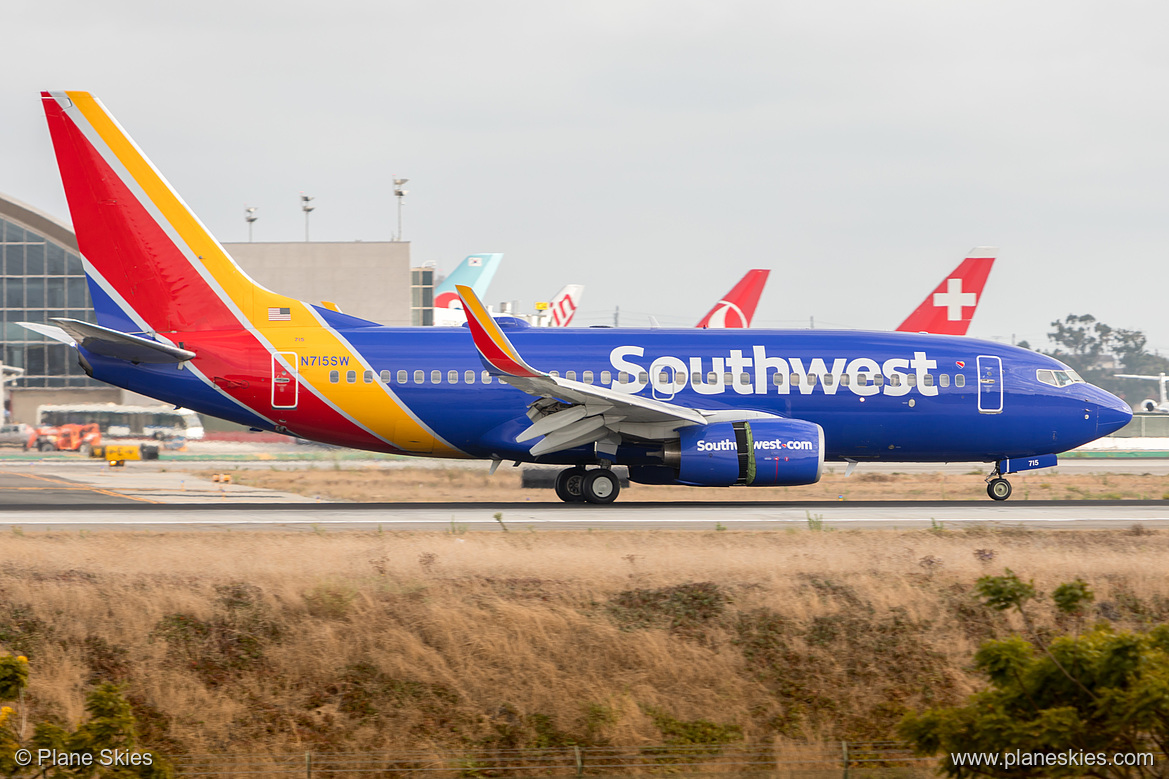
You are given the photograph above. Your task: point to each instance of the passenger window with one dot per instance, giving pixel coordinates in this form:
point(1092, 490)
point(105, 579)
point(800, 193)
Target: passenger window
point(878, 380)
point(624, 378)
point(812, 379)
point(570, 375)
point(351, 377)
point(663, 377)
point(959, 380)
point(696, 378)
point(419, 377)
point(828, 379)
point(436, 377)
point(385, 377)
point(944, 380)
point(403, 377)
point(588, 377)
point(469, 377)
point(334, 376)
point(728, 378)
point(927, 380)
point(643, 377)
point(795, 379)
point(554, 374)
point(895, 380)
point(606, 377)
point(711, 378)
point(367, 377)
point(911, 379)
point(778, 379)
point(845, 380)
point(486, 377)
point(452, 377)
point(862, 380)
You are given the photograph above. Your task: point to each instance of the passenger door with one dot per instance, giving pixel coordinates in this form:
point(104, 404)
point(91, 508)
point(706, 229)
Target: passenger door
point(285, 387)
point(990, 385)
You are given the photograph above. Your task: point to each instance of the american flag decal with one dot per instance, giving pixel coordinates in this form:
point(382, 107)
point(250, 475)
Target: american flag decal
point(279, 314)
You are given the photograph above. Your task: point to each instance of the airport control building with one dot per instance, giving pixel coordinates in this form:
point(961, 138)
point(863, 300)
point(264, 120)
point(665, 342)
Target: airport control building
point(41, 277)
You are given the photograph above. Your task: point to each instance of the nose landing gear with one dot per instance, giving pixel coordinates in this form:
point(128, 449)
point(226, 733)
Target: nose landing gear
point(998, 488)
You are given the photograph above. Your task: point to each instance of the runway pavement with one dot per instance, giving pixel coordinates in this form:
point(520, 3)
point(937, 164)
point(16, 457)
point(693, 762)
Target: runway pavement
point(461, 517)
point(65, 497)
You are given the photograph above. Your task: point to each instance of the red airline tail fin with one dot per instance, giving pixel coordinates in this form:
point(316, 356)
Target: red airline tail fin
point(949, 308)
point(737, 308)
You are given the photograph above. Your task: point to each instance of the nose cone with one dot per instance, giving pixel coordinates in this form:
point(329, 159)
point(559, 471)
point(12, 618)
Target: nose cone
point(1112, 413)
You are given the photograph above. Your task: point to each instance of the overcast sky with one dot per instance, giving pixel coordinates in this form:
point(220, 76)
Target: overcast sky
point(654, 151)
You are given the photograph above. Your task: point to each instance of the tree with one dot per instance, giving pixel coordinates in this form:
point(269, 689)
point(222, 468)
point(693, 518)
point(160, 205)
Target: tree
point(1117, 702)
point(1099, 693)
point(1083, 343)
point(109, 736)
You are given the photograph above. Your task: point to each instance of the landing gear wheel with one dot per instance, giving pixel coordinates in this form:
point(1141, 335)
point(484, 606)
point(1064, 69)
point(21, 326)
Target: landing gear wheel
point(998, 489)
point(600, 486)
point(568, 485)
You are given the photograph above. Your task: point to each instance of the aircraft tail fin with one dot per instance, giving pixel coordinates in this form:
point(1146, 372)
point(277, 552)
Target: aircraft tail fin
point(563, 306)
point(152, 265)
point(737, 307)
point(950, 307)
point(475, 271)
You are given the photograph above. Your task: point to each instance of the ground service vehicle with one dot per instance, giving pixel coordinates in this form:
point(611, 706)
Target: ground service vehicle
point(65, 438)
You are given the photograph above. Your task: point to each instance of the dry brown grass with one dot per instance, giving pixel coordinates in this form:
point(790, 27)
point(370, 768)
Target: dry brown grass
point(355, 641)
point(457, 483)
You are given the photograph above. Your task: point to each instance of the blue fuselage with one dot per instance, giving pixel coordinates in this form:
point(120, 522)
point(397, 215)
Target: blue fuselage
point(939, 398)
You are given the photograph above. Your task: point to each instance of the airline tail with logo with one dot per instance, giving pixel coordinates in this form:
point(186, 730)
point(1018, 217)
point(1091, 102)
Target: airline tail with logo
point(476, 272)
point(181, 322)
point(737, 307)
point(562, 307)
point(949, 308)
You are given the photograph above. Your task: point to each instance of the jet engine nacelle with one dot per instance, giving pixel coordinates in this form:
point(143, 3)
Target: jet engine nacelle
point(1149, 405)
point(760, 453)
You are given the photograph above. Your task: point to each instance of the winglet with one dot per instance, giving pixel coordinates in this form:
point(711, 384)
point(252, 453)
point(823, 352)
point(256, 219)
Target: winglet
point(496, 350)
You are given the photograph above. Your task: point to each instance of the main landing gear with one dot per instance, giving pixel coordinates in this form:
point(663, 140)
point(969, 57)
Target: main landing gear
point(997, 487)
point(576, 485)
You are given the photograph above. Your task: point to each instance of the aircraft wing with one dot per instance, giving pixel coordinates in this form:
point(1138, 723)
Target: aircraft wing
point(110, 343)
point(570, 413)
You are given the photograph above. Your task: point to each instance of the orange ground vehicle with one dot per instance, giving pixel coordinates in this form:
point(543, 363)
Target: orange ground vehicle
point(65, 438)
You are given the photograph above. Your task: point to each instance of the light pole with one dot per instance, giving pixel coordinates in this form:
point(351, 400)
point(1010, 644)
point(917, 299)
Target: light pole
point(250, 217)
point(400, 194)
point(7, 374)
point(304, 206)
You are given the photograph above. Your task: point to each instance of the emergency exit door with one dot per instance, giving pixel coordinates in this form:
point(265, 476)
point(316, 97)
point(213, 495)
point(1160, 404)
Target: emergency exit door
point(285, 387)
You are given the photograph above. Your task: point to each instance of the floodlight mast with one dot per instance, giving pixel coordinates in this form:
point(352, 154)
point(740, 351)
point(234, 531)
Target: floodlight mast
point(250, 217)
point(304, 206)
point(400, 194)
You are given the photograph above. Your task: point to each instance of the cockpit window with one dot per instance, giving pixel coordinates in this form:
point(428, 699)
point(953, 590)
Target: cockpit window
point(1058, 378)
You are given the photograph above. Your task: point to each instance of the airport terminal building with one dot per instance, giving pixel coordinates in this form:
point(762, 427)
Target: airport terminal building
point(41, 277)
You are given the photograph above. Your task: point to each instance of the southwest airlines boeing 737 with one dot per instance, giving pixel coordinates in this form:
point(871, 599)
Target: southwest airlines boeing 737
point(178, 320)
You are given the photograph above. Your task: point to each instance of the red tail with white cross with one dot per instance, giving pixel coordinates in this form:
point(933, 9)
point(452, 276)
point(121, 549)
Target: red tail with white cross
point(949, 308)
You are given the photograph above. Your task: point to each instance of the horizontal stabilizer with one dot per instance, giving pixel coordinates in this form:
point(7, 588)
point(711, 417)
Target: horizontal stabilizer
point(122, 346)
point(49, 331)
